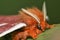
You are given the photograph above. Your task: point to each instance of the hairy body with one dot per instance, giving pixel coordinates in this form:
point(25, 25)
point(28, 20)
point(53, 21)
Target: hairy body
point(32, 29)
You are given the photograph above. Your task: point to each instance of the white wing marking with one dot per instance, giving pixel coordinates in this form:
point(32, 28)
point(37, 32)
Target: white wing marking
point(18, 26)
point(2, 24)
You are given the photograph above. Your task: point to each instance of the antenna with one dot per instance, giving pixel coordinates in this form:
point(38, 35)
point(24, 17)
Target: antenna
point(45, 11)
point(31, 14)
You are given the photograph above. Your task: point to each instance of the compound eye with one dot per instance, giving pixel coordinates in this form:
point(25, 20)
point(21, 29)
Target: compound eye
point(39, 27)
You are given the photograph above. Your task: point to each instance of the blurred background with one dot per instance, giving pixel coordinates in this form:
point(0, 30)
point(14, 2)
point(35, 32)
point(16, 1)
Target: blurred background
point(11, 7)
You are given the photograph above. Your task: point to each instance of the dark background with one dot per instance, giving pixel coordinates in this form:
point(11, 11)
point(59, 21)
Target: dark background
point(53, 9)
point(11, 7)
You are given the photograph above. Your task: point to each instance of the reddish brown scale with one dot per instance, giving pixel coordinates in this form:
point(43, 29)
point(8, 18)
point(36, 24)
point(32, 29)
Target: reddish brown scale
point(10, 20)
